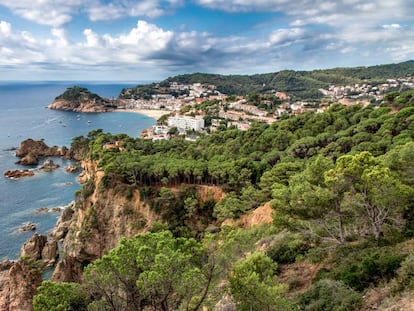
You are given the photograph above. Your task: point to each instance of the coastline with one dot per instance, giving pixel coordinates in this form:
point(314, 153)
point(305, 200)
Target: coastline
point(152, 113)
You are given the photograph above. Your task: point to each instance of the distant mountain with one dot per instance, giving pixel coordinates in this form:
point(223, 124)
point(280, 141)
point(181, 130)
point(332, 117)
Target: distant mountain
point(298, 84)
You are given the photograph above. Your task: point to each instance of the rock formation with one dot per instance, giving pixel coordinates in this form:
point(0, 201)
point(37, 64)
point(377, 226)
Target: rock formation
point(69, 269)
point(62, 226)
point(71, 169)
point(49, 166)
point(18, 173)
point(31, 150)
point(18, 283)
point(50, 253)
point(38, 247)
point(29, 226)
point(19, 280)
point(79, 99)
point(98, 223)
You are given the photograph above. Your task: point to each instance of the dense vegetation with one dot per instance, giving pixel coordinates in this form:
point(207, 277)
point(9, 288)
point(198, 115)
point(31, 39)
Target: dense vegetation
point(79, 94)
point(341, 187)
point(299, 84)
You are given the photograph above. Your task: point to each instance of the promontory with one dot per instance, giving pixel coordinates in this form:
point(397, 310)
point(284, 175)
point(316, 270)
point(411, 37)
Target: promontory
point(80, 99)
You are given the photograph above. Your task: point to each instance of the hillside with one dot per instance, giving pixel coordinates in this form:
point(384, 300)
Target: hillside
point(299, 84)
point(340, 184)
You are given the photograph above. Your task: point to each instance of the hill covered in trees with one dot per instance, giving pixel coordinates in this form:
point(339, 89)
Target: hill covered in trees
point(80, 99)
point(341, 186)
point(298, 84)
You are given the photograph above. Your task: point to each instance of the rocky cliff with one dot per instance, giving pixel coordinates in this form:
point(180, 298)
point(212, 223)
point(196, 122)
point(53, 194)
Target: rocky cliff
point(20, 279)
point(100, 219)
point(102, 216)
point(79, 99)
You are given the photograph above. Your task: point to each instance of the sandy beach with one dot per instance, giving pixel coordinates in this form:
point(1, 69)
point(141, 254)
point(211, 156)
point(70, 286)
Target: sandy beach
point(152, 113)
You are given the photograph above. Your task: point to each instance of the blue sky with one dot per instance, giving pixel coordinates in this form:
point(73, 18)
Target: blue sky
point(153, 39)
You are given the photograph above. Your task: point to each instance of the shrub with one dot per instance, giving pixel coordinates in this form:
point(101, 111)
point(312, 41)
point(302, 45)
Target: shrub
point(329, 295)
point(60, 297)
point(287, 247)
point(371, 269)
point(405, 275)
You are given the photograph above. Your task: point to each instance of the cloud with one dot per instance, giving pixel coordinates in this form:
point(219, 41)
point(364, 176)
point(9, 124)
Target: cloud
point(57, 13)
point(286, 36)
point(5, 29)
point(117, 9)
point(305, 34)
point(46, 12)
point(392, 26)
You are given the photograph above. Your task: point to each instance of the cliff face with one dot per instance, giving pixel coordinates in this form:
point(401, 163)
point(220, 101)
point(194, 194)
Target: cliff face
point(99, 221)
point(101, 218)
point(19, 280)
point(18, 286)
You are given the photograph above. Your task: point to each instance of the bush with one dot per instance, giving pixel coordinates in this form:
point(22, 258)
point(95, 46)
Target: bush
point(329, 295)
point(287, 247)
point(370, 269)
point(405, 275)
point(60, 297)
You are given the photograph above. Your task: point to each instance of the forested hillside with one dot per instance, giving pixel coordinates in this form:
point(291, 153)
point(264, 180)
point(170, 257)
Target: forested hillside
point(340, 184)
point(299, 84)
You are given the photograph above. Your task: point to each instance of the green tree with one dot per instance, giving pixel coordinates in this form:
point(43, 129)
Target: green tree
point(371, 190)
point(60, 297)
point(253, 284)
point(151, 270)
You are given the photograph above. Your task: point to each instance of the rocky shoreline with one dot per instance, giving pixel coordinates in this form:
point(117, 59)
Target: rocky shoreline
point(37, 253)
point(40, 251)
point(31, 152)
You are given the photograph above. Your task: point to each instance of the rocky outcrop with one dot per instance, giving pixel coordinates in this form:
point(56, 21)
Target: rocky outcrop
point(49, 166)
point(38, 247)
point(71, 169)
point(29, 226)
point(50, 253)
point(79, 99)
point(31, 150)
point(18, 283)
point(69, 269)
point(29, 159)
point(14, 174)
point(98, 223)
point(62, 226)
point(34, 246)
point(77, 106)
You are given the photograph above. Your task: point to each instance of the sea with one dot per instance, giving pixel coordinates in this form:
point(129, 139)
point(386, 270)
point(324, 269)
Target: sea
point(23, 115)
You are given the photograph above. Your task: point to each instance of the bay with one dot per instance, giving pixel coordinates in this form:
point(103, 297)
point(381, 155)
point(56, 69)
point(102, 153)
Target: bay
point(23, 115)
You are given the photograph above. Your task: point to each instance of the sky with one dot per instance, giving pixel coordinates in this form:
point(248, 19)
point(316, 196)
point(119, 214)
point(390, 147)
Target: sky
point(150, 40)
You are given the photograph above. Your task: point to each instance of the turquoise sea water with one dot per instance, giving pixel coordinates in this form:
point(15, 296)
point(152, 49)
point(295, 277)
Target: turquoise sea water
point(23, 115)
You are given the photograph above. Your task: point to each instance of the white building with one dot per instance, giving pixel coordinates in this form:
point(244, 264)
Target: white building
point(185, 122)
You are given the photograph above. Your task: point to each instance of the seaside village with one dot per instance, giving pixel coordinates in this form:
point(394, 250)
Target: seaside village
point(203, 109)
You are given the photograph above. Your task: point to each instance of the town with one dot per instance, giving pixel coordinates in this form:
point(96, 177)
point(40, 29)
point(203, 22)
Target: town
point(199, 109)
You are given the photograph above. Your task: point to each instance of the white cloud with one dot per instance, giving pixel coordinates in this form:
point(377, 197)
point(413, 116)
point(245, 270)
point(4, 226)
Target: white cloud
point(46, 12)
point(57, 13)
point(307, 33)
point(92, 39)
point(5, 28)
point(392, 26)
point(145, 37)
point(286, 36)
